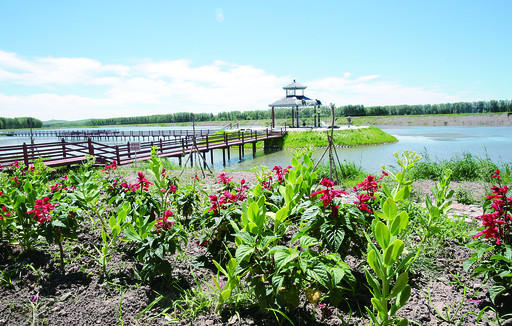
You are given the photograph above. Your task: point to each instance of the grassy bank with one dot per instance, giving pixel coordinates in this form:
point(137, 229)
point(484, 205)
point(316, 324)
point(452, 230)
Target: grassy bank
point(346, 138)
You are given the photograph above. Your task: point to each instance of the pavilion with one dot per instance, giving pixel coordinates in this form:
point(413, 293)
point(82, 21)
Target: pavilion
point(294, 99)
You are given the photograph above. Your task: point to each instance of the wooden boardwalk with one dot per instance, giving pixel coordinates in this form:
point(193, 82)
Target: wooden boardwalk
point(113, 135)
point(68, 153)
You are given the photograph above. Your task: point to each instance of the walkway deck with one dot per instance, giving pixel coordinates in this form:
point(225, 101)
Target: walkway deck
point(68, 153)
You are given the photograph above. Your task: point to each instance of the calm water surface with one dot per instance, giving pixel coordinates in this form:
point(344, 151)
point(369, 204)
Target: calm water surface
point(438, 142)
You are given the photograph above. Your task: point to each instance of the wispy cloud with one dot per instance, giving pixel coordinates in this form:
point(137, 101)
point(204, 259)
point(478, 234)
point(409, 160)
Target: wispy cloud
point(78, 88)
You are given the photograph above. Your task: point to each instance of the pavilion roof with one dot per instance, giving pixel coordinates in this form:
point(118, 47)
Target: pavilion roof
point(295, 85)
point(295, 101)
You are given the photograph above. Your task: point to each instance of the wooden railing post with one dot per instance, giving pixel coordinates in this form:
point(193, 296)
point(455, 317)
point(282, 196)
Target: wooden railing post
point(267, 132)
point(91, 147)
point(25, 154)
point(226, 138)
point(161, 146)
point(118, 157)
point(129, 153)
point(206, 141)
point(63, 148)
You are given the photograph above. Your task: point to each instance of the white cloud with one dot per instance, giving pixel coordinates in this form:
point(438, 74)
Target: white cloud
point(79, 88)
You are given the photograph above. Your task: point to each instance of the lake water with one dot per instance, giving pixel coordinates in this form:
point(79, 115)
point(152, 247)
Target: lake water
point(439, 142)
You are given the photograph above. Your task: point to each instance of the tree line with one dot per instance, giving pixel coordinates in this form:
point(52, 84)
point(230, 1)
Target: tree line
point(285, 113)
point(19, 123)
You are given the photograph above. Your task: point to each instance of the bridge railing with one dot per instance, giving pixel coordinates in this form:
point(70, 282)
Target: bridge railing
point(63, 152)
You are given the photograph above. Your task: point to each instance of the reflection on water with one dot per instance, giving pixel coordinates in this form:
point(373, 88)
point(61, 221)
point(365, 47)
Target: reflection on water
point(438, 142)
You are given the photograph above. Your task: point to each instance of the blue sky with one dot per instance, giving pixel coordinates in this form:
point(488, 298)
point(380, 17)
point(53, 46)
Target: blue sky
point(96, 59)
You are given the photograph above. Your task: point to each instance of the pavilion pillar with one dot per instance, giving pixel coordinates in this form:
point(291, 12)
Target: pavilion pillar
point(273, 119)
point(293, 118)
point(297, 108)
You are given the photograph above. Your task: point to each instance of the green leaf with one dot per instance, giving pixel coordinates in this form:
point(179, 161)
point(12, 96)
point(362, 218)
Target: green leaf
point(222, 270)
point(400, 284)
point(319, 273)
point(131, 234)
point(374, 283)
point(224, 295)
point(281, 216)
point(335, 236)
point(392, 252)
point(116, 230)
point(58, 223)
point(243, 252)
point(378, 306)
point(403, 297)
point(495, 291)
point(310, 213)
point(306, 241)
point(381, 234)
point(374, 263)
point(283, 257)
point(389, 209)
point(246, 237)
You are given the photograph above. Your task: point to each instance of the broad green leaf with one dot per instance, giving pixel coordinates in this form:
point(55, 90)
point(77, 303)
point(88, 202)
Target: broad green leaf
point(252, 211)
point(58, 223)
point(224, 295)
point(392, 252)
point(396, 224)
point(306, 241)
point(495, 291)
point(334, 236)
point(281, 215)
point(403, 297)
point(131, 234)
point(374, 283)
point(372, 260)
point(389, 209)
point(381, 234)
point(400, 284)
point(116, 230)
point(310, 213)
point(243, 251)
point(246, 237)
point(231, 266)
point(283, 257)
point(319, 273)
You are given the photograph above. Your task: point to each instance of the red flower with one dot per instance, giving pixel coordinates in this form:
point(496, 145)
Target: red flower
point(143, 182)
point(163, 223)
point(42, 209)
point(223, 178)
point(496, 174)
point(195, 177)
point(6, 212)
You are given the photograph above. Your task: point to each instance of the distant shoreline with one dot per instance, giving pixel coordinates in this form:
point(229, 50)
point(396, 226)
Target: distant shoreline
point(466, 120)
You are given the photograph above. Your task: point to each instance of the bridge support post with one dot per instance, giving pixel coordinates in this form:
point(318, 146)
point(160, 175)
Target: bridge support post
point(179, 160)
point(211, 156)
point(254, 149)
point(223, 157)
point(229, 154)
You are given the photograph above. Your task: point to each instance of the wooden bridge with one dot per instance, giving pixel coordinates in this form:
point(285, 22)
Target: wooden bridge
point(113, 135)
point(64, 153)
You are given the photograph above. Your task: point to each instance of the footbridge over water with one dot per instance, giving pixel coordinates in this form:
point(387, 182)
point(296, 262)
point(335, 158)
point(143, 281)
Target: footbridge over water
point(64, 153)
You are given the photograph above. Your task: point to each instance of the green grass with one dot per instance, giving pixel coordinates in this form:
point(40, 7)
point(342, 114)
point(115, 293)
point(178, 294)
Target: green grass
point(465, 167)
point(351, 137)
